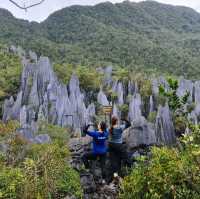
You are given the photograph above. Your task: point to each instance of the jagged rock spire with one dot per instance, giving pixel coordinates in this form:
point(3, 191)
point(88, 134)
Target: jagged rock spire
point(42, 92)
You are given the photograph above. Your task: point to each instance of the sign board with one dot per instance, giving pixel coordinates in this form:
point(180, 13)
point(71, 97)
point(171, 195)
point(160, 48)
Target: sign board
point(107, 109)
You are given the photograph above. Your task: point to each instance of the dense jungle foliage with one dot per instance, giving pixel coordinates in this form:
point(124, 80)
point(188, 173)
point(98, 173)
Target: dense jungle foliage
point(10, 73)
point(32, 171)
point(169, 173)
point(146, 36)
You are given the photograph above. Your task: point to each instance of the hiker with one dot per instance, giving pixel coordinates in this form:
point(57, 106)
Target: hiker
point(99, 147)
point(117, 151)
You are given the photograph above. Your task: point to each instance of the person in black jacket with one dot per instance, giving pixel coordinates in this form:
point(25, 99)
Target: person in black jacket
point(116, 149)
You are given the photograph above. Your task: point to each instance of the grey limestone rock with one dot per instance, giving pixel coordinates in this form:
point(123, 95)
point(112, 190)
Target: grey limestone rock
point(164, 128)
point(41, 92)
point(42, 139)
point(102, 99)
point(135, 107)
point(141, 133)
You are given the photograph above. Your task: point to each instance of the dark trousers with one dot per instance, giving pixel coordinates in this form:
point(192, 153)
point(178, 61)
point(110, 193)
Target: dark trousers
point(117, 154)
point(91, 156)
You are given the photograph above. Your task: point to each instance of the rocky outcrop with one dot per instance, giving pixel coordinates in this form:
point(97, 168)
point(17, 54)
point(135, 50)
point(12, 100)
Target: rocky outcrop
point(42, 93)
point(42, 96)
point(184, 87)
point(108, 75)
point(157, 82)
point(164, 128)
point(116, 111)
point(119, 90)
point(135, 107)
point(140, 134)
point(102, 99)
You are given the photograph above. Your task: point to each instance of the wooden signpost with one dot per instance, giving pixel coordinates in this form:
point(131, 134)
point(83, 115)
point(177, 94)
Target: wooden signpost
point(107, 110)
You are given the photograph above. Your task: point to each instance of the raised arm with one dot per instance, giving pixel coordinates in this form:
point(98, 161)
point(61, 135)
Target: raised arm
point(126, 125)
point(90, 133)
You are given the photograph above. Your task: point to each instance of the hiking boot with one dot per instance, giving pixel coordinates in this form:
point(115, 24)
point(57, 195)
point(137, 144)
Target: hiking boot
point(115, 175)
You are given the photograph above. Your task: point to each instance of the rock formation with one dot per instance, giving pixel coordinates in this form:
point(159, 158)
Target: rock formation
point(43, 97)
point(102, 99)
point(42, 93)
point(140, 134)
point(135, 107)
point(164, 128)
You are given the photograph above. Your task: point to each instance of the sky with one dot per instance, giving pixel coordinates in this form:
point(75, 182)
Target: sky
point(41, 12)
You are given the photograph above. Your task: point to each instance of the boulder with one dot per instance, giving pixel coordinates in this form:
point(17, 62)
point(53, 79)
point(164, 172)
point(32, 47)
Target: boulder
point(3, 148)
point(88, 183)
point(78, 145)
point(42, 139)
point(140, 134)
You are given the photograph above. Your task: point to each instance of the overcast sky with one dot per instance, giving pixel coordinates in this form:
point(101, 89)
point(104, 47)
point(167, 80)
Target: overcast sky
point(42, 11)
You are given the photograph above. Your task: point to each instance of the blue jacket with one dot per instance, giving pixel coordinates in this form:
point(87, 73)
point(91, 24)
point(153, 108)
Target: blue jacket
point(99, 141)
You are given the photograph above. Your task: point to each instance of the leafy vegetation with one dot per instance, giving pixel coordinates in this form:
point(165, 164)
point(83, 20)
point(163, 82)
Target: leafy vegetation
point(54, 131)
point(168, 173)
point(89, 77)
point(29, 171)
point(178, 105)
point(10, 72)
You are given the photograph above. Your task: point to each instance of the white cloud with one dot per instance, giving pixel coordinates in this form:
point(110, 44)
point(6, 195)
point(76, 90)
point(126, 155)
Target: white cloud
point(42, 11)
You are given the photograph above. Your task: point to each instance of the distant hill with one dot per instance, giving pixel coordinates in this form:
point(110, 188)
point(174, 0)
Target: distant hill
point(146, 36)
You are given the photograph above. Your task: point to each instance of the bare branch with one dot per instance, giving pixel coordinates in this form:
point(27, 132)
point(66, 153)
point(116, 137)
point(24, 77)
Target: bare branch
point(26, 7)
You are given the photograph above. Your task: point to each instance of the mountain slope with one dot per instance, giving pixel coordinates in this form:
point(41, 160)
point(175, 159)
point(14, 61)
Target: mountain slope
point(144, 36)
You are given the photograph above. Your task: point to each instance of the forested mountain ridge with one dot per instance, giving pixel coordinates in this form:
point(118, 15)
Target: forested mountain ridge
point(142, 36)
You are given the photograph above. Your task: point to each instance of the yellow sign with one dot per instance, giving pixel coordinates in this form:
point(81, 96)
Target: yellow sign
point(107, 109)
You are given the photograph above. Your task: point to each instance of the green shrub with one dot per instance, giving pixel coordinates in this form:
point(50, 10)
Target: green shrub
point(33, 171)
point(48, 174)
point(124, 110)
point(16, 149)
point(114, 96)
point(69, 183)
point(121, 74)
point(8, 128)
point(11, 182)
point(152, 117)
point(90, 79)
point(54, 131)
point(42, 167)
point(10, 71)
point(169, 174)
point(180, 124)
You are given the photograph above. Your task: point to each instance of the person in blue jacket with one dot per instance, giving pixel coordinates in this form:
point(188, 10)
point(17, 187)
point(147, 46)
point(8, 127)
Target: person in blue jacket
point(99, 147)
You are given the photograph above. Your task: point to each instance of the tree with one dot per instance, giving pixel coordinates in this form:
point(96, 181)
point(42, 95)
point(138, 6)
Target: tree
point(24, 6)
